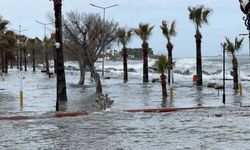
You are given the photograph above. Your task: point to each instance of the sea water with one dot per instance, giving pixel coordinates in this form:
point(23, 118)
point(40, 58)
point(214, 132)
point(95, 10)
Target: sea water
point(220, 127)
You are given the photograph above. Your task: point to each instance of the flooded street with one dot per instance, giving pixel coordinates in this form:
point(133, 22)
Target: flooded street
point(220, 127)
point(217, 128)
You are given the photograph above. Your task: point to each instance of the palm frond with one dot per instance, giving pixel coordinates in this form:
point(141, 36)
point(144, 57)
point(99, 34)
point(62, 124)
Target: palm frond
point(123, 36)
point(172, 30)
point(161, 63)
point(238, 43)
point(205, 15)
point(129, 35)
point(168, 32)
point(233, 47)
point(199, 15)
point(144, 31)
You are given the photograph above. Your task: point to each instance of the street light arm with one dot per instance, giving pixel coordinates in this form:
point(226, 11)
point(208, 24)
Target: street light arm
point(40, 22)
point(243, 34)
point(44, 23)
point(97, 6)
point(111, 6)
point(104, 7)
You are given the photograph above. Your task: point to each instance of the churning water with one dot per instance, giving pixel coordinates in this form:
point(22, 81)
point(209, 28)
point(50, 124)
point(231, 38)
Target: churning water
point(220, 127)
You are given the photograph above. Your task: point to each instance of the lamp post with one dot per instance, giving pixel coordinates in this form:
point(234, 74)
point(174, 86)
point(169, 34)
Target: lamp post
point(104, 11)
point(245, 8)
point(21, 68)
point(44, 36)
point(224, 95)
point(245, 34)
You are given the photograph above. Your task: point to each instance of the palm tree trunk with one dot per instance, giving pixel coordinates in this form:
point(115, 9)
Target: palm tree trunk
point(6, 64)
point(235, 73)
point(125, 63)
point(33, 60)
point(170, 48)
point(11, 63)
point(163, 85)
point(25, 60)
point(198, 37)
point(61, 81)
point(55, 69)
point(3, 60)
point(145, 61)
point(21, 60)
point(18, 58)
point(46, 61)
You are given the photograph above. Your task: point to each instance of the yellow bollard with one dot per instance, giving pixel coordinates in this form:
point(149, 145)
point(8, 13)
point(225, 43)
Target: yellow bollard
point(171, 93)
point(21, 98)
point(240, 86)
point(21, 88)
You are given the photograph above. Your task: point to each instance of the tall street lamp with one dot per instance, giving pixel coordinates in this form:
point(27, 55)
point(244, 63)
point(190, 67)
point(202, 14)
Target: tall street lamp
point(245, 7)
point(44, 36)
point(245, 34)
point(20, 30)
point(104, 10)
point(224, 95)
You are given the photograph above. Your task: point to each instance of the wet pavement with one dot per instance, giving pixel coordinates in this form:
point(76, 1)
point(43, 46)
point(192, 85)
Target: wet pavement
point(221, 127)
point(217, 128)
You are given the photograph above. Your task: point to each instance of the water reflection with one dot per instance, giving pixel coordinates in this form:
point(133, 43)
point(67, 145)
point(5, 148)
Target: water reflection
point(167, 102)
point(199, 96)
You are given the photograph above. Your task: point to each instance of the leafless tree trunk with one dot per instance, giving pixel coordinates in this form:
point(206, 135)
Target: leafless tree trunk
point(87, 35)
point(82, 66)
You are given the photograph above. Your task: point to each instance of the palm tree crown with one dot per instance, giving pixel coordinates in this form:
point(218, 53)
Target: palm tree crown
point(123, 36)
point(233, 47)
point(144, 31)
point(3, 26)
point(163, 63)
point(199, 15)
point(168, 31)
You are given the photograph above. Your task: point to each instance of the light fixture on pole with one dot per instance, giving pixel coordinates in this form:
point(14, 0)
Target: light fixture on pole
point(245, 7)
point(104, 11)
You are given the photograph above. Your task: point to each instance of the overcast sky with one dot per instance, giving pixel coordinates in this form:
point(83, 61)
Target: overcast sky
point(226, 20)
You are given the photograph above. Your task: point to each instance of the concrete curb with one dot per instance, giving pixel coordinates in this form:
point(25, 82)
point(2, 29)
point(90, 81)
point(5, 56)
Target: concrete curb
point(57, 114)
point(248, 105)
point(14, 118)
point(70, 114)
point(158, 110)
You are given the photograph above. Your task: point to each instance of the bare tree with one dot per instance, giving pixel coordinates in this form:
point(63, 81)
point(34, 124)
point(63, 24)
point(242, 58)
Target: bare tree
point(87, 35)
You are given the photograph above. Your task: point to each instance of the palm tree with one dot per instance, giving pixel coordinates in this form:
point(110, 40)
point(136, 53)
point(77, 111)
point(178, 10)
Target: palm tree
point(168, 32)
point(232, 48)
point(144, 31)
point(32, 43)
point(10, 43)
point(22, 45)
point(124, 37)
point(163, 63)
point(3, 27)
point(199, 16)
point(61, 81)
